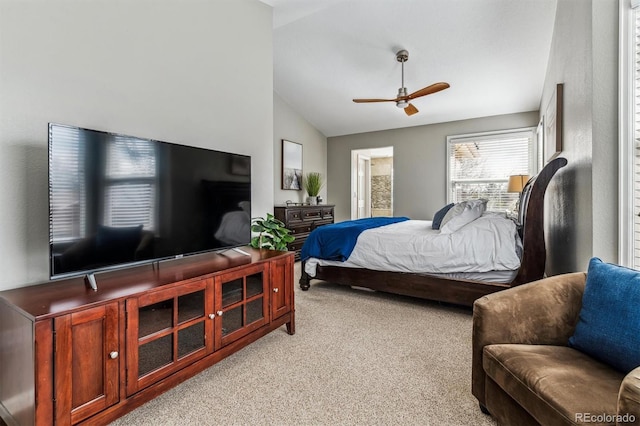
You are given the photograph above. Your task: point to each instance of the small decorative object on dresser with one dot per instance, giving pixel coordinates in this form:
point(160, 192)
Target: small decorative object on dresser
point(301, 220)
point(313, 183)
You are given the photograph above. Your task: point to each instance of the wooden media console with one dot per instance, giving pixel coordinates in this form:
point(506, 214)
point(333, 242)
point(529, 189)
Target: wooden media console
point(71, 355)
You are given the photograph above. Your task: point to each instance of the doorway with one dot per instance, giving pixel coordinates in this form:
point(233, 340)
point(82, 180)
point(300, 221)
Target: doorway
point(371, 182)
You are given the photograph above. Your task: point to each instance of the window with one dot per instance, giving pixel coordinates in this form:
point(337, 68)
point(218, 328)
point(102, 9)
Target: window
point(479, 165)
point(629, 152)
point(130, 183)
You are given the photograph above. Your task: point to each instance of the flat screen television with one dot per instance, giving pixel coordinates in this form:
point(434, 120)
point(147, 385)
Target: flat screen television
point(117, 200)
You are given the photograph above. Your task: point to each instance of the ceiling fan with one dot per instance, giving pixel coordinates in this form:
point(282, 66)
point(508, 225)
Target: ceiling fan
point(402, 100)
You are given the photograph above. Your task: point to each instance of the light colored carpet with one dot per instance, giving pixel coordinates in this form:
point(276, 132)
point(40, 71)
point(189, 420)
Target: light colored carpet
point(357, 358)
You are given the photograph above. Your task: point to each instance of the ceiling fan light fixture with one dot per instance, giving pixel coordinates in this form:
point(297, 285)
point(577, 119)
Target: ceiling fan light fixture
point(402, 100)
point(402, 103)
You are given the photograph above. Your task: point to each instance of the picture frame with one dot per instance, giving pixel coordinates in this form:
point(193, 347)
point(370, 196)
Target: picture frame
point(291, 165)
point(553, 125)
point(540, 160)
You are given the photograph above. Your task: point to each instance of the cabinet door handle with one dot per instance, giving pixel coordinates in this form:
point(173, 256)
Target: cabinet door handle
point(113, 355)
point(212, 316)
point(219, 313)
point(275, 290)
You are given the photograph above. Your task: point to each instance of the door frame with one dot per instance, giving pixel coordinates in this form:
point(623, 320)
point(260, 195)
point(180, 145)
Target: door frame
point(369, 153)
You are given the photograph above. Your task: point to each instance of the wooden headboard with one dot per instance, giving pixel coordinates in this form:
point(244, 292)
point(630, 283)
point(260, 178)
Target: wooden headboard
point(532, 208)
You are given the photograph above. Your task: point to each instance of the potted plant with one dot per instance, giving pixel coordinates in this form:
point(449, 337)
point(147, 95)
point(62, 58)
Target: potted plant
point(313, 183)
point(272, 233)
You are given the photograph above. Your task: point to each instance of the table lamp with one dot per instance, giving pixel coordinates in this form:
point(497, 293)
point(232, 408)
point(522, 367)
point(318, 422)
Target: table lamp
point(516, 184)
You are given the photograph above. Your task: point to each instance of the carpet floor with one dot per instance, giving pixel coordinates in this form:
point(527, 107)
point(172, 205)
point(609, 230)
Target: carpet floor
point(357, 358)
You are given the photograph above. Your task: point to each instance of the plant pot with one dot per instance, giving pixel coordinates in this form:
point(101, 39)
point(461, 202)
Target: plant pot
point(313, 201)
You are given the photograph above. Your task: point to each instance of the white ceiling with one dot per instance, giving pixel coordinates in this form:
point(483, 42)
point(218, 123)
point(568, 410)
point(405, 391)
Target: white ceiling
point(493, 53)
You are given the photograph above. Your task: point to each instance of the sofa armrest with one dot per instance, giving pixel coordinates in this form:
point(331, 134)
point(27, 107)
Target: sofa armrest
point(629, 397)
point(542, 312)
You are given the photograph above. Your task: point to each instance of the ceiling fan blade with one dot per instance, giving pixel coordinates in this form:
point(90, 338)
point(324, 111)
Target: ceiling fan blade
point(436, 87)
point(410, 109)
point(374, 100)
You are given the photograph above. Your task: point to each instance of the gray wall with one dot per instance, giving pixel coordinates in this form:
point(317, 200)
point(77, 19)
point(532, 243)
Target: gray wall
point(605, 130)
point(288, 124)
point(191, 72)
point(419, 162)
point(581, 210)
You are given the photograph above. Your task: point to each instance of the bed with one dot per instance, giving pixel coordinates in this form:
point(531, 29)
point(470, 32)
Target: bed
point(451, 287)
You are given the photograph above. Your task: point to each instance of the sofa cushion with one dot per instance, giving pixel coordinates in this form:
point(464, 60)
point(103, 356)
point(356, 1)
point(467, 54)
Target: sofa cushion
point(609, 323)
point(555, 384)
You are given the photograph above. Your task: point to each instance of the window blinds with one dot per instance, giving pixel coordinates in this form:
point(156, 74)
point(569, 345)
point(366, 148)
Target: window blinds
point(480, 166)
point(67, 176)
point(636, 134)
point(125, 188)
point(130, 193)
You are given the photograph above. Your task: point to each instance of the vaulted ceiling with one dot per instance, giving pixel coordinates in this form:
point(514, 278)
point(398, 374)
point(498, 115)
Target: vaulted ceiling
point(493, 53)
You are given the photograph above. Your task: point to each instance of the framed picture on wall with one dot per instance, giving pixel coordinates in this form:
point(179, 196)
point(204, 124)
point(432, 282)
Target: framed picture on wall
point(291, 165)
point(553, 125)
point(540, 160)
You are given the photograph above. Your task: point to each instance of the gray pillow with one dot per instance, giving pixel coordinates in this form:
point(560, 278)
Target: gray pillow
point(463, 213)
point(453, 212)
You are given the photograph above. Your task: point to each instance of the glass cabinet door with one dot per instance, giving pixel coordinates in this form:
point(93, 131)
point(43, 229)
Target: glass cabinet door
point(241, 303)
point(166, 330)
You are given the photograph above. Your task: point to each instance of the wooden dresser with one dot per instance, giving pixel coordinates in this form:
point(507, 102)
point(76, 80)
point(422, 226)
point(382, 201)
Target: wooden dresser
point(301, 220)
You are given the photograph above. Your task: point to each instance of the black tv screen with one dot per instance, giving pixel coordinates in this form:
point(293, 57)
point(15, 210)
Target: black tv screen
point(117, 200)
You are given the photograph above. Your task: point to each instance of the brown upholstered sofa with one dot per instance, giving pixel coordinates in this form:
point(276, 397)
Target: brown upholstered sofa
point(524, 373)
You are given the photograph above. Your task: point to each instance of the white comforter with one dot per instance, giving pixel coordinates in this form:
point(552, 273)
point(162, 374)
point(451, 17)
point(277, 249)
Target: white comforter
point(489, 243)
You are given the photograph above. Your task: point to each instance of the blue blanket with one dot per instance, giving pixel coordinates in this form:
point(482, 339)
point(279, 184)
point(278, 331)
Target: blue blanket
point(336, 241)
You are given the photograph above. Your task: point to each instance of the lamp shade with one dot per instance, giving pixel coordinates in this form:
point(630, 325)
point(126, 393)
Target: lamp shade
point(517, 183)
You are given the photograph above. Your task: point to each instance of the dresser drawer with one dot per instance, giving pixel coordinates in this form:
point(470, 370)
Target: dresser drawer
point(303, 228)
point(318, 223)
point(296, 245)
point(327, 213)
point(309, 214)
point(294, 216)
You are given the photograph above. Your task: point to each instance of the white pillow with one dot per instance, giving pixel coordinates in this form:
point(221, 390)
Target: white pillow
point(466, 212)
point(453, 212)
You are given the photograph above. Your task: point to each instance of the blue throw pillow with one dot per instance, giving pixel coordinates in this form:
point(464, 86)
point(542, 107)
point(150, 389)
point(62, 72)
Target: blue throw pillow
point(437, 218)
point(608, 328)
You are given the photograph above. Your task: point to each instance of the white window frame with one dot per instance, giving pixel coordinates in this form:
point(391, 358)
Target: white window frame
point(533, 149)
point(626, 77)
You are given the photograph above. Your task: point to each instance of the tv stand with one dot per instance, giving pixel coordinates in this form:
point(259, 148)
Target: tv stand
point(90, 279)
point(78, 356)
point(239, 250)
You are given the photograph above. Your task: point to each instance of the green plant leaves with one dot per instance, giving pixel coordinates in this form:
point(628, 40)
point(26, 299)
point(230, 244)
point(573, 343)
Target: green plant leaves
point(312, 181)
point(272, 233)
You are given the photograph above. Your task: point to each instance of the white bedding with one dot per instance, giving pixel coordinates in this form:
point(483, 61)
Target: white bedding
point(489, 243)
